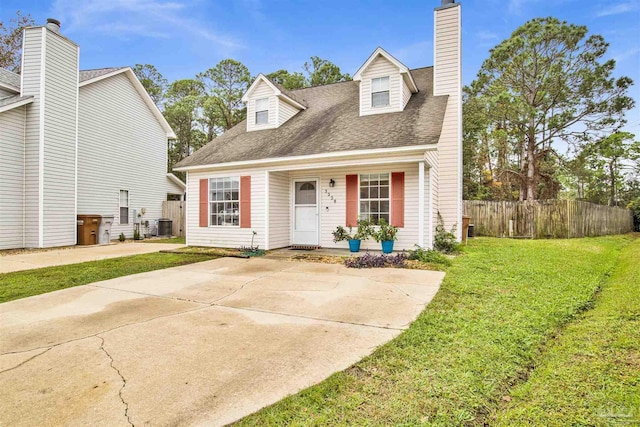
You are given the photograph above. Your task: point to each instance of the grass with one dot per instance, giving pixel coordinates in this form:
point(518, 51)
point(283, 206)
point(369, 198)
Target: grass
point(176, 240)
point(22, 284)
point(590, 375)
point(500, 304)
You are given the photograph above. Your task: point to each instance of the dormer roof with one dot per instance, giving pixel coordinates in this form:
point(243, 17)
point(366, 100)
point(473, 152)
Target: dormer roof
point(403, 69)
point(278, 90)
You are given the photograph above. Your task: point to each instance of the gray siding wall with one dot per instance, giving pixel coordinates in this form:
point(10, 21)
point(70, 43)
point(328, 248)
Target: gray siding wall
point(121, 146)
point(12, 178)
point(59, 169)
point(447, 81)
point(31, 85)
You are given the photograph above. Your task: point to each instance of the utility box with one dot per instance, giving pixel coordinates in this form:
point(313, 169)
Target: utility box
point(104, 231)
point(165, 227)
point(88, 226)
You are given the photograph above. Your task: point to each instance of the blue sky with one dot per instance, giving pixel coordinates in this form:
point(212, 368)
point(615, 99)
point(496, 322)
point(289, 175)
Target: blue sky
point(184, 37)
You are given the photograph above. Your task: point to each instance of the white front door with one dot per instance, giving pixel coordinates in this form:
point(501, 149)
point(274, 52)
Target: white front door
point(305, 212)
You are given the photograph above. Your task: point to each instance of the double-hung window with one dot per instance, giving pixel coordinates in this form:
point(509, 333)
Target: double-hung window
point(124, 206)
point(262, 111)
point(374, 197)
point(224, 201)
point(380, 92)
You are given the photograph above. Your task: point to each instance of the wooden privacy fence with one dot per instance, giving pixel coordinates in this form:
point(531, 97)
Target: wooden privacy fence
point(543, 219)
point(174, 210)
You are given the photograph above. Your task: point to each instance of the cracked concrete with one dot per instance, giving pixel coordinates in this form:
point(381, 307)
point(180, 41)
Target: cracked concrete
point(200, 344)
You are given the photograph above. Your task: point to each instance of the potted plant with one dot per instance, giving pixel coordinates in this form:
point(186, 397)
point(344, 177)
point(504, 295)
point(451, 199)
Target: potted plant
point(386, 235)
point(363, 232)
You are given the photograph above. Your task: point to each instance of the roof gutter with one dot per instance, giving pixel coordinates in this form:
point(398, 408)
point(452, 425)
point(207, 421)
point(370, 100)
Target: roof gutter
point(19, 103)
point(312, 157)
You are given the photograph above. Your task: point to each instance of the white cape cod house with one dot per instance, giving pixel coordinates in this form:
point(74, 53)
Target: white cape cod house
point(386, 145)
point(76, 142)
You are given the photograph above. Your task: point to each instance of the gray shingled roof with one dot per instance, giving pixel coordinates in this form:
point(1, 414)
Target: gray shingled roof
point(92, 74)
point(10, 79)
point(12, 100)
point(332, 123)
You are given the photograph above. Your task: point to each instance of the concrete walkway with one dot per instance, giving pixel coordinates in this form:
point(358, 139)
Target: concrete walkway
point(39, 259)
point(202, 344)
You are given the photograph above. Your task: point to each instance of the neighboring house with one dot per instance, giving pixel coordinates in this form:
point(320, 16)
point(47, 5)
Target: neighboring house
point(76, 142)
point(386, 145)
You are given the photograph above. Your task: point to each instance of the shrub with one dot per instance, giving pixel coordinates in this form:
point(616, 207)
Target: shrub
point(386, 232)
point(376, 261)
point(445, 241)
point(136, 235)
point(364, 231)
point(122, 237)
point(428, 256)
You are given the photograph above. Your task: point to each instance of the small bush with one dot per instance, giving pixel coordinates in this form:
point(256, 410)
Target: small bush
point(376, 261)
point(136, 235)
point(122, 237)
point(445, 241)
point(428, 256)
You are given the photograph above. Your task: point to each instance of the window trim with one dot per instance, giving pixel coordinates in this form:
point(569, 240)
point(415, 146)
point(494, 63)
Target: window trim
point(209, 201)
point(266, 100)
point(387, 90)
point(120, 206)
point(388, 198)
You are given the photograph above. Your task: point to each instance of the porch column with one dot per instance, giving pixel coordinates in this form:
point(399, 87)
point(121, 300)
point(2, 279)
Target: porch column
point(421, 204)
point(430, 199)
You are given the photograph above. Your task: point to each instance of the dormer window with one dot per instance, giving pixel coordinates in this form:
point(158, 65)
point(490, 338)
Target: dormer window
point(380, 92)
point(262, 111)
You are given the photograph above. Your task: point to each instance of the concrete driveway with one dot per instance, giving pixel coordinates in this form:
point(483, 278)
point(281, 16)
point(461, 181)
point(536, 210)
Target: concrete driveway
point(203, 344)
point(73, 255)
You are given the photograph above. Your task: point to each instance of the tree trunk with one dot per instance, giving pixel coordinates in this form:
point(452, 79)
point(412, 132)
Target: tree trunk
point(531, 169)
point(612, 178)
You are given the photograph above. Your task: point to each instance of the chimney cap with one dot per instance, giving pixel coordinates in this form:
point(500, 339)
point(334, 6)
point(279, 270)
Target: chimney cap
point(447, 2)
point(53, 25)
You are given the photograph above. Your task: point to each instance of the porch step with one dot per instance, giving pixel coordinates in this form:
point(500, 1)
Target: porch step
point(304, 247)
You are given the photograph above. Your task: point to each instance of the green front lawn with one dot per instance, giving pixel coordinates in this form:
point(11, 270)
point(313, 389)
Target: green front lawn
point(590, 374)
point(498, 309)
point(22, 284)
point(176, 240)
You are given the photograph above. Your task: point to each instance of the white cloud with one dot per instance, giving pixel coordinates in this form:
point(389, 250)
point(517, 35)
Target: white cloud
point(139, 18)
point(619, 8)
point(418, 54)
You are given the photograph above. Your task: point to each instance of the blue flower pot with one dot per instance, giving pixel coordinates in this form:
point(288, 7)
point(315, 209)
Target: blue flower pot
point(387, 246)
point(354, 245)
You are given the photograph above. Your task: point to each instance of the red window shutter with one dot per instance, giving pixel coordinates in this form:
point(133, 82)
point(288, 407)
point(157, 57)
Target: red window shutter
point(204, 203)
point(245, 202)
point(352, 200)
point(397, 199)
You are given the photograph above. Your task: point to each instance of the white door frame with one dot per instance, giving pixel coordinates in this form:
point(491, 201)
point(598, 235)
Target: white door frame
point(292, 191)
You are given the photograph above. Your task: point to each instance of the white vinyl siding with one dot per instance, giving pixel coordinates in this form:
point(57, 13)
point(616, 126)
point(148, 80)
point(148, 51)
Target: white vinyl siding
point(332, 206)
point(6, 92)
point(226, 237)
point(432, 170)
point(381, 67)
point(60, 106)
point(285, 111)
point(12, 178)
point(261, 91)
point(447, 81)
point(31, 72)
point(279, 210)
point(406, 93)
point(121, 145)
